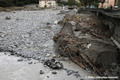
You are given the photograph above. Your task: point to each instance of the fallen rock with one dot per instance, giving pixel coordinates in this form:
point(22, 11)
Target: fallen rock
point(19, 60)
point(7, 18)
point(54, 72)
point(48, 23)
point(56, 22)
point(30, 62)
point(52, 64)
point(41, 72)
point(47, 76)
point(72, 72)
point(2, 34)
point(54, 56)
point(48, 55)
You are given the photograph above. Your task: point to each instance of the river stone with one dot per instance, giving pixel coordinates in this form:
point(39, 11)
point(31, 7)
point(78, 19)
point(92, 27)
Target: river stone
point(41, 72)
point(19, 60)
point(54, 72)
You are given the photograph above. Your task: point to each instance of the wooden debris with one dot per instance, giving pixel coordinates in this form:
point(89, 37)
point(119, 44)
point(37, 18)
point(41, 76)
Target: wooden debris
point(73, 48)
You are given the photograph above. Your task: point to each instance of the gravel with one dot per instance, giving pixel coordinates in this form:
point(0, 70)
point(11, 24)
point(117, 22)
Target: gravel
point(27, 33)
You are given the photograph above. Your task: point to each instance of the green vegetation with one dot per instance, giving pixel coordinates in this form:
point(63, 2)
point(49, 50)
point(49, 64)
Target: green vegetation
point(84, 3)
point(71, 2)
point(57, 1)
point(7, 3)
point(61, 3)
point(89, 2)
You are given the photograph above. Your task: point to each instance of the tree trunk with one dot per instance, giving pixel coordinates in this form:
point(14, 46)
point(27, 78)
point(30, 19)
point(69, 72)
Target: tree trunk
point(102, 5)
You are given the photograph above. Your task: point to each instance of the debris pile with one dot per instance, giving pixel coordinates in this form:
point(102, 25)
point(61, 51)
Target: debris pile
point(87, 45)
point(88, 25)
point(74, 49)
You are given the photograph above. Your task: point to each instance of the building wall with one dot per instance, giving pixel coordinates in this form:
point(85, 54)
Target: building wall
point(107, 3)
point(47, 3)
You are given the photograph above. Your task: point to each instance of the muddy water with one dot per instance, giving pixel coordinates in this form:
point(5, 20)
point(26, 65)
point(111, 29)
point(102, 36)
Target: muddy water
point(11, 69)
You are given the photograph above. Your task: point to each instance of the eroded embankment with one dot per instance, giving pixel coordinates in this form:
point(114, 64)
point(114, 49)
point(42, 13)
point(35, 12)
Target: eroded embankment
point(87, 42)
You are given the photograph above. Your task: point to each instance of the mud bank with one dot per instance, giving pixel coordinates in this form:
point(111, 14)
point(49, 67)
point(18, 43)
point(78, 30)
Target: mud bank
point(87, 42)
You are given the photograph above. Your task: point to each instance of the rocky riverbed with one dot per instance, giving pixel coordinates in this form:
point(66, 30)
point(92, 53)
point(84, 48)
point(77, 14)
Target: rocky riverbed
point(29, 33)
point(26, 41)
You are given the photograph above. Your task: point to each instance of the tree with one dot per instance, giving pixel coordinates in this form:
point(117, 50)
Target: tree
point(71, 2)
point(7, 3)
point(57, 1)
point(89, 2)
point(83, 2)
point(96, 3)
point(86, 2)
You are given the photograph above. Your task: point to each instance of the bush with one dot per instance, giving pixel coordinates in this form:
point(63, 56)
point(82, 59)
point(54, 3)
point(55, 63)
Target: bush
point(62, 3)
point(57, 1)
point(6, 3)
point(71, 2)
point(78, 4)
